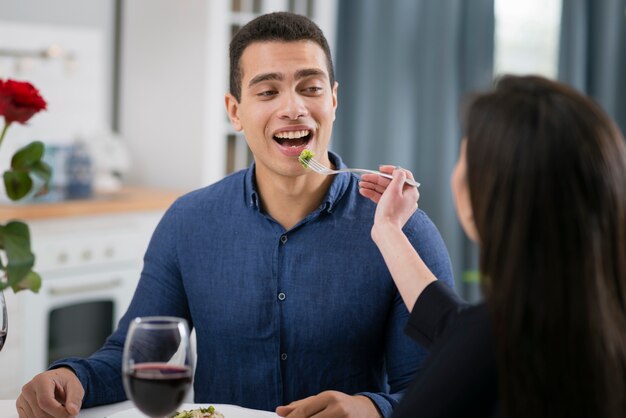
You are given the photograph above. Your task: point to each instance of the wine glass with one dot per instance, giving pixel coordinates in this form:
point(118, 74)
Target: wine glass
point(4, 322)
point(157, 364)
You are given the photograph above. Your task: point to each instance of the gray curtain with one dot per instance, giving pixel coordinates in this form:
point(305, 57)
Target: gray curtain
point(403, 68)
point(592, 54)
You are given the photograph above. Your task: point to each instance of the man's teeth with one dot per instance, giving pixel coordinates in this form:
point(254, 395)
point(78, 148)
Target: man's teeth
point(293, 134)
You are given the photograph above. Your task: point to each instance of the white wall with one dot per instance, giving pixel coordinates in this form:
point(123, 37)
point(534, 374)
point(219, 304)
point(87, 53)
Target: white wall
point(74, 88)
point(99, 14)
point(163, 80)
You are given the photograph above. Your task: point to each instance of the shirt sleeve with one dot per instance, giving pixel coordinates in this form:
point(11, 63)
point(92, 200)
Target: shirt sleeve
point(156, 294)
point(404, 359)
point(434, 311)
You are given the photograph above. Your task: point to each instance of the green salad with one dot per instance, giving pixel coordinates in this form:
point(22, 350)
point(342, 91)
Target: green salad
point(209, 412)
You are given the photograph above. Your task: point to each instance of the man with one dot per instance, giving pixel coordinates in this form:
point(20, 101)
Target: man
point(273, 266)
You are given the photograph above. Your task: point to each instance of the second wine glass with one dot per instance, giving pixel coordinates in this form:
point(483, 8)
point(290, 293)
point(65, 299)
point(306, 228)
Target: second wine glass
point(157, 364)
point(4, 321)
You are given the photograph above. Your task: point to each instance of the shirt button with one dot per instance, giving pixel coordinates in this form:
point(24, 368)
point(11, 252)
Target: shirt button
point(283, 239)
point(281, 296)
point(283, 356)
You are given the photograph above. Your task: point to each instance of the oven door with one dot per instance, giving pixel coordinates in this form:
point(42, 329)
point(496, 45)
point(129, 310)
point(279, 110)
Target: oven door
point(72, 316)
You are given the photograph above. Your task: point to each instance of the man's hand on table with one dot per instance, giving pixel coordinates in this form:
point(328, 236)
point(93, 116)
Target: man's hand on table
point(57, 393)
point(330, 404)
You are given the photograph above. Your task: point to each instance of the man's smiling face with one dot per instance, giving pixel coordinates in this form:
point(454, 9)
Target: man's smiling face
point(287, 104)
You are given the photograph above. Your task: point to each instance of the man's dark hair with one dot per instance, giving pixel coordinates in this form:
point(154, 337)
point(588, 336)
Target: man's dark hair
point(278, 26)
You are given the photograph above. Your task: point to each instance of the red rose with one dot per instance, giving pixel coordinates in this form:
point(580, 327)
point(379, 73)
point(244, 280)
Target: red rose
point(19, 101)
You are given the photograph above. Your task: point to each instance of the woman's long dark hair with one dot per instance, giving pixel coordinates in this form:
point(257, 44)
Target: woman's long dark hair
point(546, 170)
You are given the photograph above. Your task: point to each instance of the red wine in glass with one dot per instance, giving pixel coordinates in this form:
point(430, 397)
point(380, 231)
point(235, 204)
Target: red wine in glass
point(157, 389)
point(157, 364)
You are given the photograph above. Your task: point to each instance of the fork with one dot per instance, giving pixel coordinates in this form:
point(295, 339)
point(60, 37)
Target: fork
point(322, 169)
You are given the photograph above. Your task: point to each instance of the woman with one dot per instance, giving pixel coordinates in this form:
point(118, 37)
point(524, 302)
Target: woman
point(540, 185)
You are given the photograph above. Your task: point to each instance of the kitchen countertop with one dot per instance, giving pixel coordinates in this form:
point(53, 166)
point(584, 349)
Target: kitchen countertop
point(128, 199)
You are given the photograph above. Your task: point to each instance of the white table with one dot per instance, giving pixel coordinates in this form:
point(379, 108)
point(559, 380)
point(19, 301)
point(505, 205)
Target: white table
point(7, 410)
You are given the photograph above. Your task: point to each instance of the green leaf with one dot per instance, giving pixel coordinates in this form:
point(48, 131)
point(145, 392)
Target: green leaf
point(20, 259)
point(26, 156)
point(17, 184)
point(32, 282)
point(25, 164)
point(41, 170)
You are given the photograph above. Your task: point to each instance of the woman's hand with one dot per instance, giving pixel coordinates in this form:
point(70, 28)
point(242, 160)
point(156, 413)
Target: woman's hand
point(396, 200)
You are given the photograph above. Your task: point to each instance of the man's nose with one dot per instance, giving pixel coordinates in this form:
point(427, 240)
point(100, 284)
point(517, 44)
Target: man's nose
point(293, 107)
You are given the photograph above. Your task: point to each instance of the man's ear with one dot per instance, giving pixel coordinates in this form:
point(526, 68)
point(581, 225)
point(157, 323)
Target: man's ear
point(232, 108)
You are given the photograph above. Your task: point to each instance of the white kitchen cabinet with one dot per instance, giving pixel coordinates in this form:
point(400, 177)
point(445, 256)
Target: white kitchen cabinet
point(89, 254)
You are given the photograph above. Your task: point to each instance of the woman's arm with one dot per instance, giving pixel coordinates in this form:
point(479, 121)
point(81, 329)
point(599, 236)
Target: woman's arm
point(396, 203)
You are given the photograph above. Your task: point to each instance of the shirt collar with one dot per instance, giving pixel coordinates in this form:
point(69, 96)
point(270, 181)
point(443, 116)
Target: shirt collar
point(339, 185)
point(335, 192)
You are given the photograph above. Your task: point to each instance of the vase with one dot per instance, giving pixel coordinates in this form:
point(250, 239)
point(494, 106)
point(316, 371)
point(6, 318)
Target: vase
point(4, 321)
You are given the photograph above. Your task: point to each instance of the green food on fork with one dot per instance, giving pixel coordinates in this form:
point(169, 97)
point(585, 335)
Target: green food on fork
point(305, 157)
point(307, 161)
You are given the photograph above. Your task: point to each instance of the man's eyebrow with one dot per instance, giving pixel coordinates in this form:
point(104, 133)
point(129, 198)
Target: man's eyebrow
point(300, 74)
point(309, 72)
point(265, 77)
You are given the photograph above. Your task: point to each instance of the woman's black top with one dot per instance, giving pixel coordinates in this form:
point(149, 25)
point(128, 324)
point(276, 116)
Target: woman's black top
point(459, 376)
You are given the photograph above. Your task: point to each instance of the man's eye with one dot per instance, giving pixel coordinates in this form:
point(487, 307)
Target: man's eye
point(267, 93)
point(313, 90)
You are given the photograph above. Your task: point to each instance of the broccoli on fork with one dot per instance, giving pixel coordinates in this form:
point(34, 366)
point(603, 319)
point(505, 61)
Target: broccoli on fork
point(305, 157)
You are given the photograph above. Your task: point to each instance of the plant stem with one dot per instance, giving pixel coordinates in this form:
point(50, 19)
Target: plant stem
point(4, 131)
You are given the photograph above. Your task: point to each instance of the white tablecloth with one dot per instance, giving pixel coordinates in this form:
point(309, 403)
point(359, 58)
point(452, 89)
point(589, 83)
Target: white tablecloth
point(7, 410)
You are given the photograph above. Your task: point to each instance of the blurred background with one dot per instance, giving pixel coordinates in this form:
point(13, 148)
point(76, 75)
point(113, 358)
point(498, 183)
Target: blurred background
point(146, 78)
point(140, 83)
point(135, 92)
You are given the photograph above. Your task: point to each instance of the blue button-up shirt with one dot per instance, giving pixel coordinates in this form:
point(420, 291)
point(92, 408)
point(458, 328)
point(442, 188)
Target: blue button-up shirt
point(279, 314)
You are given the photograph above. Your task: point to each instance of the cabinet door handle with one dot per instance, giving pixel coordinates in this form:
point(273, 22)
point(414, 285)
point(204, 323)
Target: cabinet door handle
point(84, 288)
